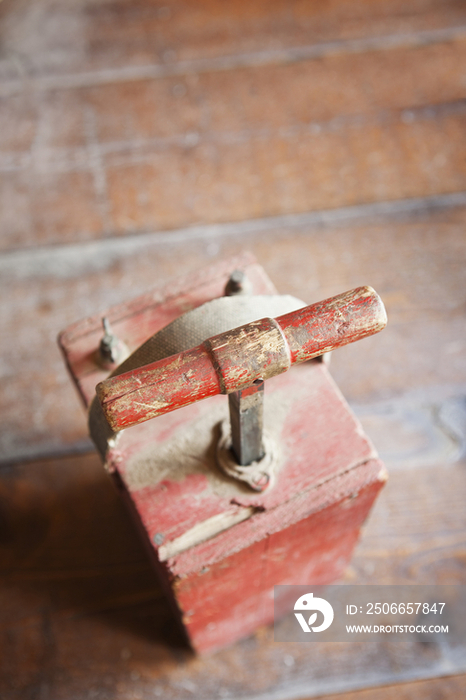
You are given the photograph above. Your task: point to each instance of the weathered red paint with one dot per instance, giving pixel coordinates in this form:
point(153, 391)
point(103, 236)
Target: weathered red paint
point(146, 392)
point(233, 360)
point(302, 531)
point(227, 601)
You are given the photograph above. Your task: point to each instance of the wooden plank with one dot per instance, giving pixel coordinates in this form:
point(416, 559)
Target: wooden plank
point(438, 688)
point(270, 97)
point(251, 177)
point(280, 174)
point(81, 612)
point(259, 141)
point(93, 37)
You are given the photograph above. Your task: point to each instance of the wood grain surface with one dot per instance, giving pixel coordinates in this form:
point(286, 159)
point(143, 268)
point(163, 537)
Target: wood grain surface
point(438, 689)
point(211, 115)
point(140, 141)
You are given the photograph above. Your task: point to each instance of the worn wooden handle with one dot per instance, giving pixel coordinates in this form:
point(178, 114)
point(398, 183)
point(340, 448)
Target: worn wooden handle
point(236, 359)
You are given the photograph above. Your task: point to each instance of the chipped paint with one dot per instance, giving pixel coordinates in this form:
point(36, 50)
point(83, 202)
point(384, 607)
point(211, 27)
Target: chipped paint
point(205, 531)
point(235, 359)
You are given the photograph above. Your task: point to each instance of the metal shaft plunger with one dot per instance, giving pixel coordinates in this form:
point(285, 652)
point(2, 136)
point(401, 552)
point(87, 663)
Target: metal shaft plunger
point(246, 418)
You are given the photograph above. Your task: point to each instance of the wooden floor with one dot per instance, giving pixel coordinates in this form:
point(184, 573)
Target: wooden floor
point(141, 140)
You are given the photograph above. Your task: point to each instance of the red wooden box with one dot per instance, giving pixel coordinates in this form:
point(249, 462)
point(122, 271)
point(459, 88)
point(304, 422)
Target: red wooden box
point(218, 547)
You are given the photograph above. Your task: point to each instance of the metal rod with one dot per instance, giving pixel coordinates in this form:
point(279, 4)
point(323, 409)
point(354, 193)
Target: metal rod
point(246, 418)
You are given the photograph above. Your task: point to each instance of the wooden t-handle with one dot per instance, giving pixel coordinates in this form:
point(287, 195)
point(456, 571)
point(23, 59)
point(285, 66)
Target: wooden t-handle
point(236, 359)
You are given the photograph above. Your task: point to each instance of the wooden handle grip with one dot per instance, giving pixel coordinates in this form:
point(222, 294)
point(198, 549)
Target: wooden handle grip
point(236, 359)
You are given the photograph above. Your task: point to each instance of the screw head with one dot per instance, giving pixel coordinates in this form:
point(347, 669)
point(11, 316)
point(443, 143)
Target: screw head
point(112, 350)
point(238, 283)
